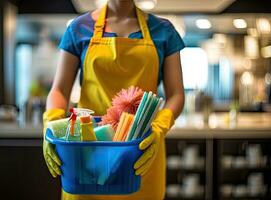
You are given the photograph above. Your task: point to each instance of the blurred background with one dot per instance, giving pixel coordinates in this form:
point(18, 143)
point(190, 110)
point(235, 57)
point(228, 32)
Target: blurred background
point(226, 59)
point(218, 148)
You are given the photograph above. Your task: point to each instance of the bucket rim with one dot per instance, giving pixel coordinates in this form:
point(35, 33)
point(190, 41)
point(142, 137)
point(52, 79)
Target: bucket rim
point(50, 138)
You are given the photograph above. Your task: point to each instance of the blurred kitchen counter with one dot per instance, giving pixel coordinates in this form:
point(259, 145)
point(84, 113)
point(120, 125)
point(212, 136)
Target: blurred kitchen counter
point(13, 130)
point(249, 125)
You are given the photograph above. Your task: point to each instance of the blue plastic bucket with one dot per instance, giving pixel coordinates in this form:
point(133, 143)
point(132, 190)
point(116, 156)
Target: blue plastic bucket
point(100, 167)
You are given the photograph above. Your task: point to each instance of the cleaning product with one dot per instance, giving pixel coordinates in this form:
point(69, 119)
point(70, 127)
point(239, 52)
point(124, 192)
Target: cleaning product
point(137, 116)
point(127, 128)
point(146, 112)
point(72, 120)
point(73, 131)
point(127, 100)
point(123, 126)
point(104, 133)
point(58, 127)
point(87, 132)
point(120, 124)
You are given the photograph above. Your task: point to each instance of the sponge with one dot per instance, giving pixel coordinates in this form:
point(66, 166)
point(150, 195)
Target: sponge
point(104, 133)
point(60, 126)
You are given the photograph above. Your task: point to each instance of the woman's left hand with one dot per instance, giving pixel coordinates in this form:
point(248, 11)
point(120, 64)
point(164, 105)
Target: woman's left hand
point(151, 146)
point(160, 126)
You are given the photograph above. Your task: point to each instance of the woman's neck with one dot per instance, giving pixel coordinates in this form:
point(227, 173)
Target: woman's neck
point(121, 9)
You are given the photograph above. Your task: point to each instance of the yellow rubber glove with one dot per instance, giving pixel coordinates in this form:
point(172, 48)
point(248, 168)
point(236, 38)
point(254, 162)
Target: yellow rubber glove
point(51, 158)
point(160, 126)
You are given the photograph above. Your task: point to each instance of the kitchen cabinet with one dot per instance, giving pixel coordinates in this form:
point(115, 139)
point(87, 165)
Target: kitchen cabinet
point(243, 169)
point(23, 171)
point(236, 164)
point(186, 169)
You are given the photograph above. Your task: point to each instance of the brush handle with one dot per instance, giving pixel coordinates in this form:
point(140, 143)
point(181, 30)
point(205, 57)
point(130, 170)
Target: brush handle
point(143, 114)
point(153, 116)
point(136, 118)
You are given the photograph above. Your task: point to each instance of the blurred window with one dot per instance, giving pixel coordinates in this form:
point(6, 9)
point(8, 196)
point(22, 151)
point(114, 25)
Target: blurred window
point(195, 67)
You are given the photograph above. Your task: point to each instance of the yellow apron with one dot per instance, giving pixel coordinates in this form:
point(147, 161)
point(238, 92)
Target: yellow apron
point(111, 64)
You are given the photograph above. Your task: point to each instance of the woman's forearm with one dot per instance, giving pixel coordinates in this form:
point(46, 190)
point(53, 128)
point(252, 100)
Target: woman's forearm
point(56, 99)
point(175, 103)
point(173, 84)
point(59, 94)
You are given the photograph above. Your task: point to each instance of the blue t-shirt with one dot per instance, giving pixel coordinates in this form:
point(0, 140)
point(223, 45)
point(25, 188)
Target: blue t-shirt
point(78, 34)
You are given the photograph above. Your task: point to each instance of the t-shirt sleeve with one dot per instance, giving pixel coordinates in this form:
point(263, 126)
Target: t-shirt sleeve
point(174, 41)
point(68, 42)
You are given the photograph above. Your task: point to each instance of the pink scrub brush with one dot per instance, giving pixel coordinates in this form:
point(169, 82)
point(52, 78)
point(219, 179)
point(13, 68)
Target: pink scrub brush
point(125, 101)
point(111, 117)
point(128, 100)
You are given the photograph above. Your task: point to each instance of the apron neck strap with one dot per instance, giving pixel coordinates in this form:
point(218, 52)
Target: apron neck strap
point(143, 24)
point(100, 24)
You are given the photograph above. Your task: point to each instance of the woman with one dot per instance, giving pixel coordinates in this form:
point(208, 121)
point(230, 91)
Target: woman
point(115, 47)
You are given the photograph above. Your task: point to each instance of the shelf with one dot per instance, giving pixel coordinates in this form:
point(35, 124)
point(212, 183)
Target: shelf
point(185, 198)
point(258, 169)
point(213, 174)
point(244, 198)
point(195, 170)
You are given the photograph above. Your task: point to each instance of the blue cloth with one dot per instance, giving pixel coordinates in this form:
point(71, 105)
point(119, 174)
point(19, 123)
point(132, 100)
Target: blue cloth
point(166, 39)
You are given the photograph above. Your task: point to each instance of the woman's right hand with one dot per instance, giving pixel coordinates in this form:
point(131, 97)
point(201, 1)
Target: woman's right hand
point(51, 158)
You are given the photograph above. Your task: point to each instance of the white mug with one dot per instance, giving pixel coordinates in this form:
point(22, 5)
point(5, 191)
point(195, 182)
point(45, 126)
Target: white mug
point(254, 154)
point(255, 184)
point(190, 184)
point(190, 156)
